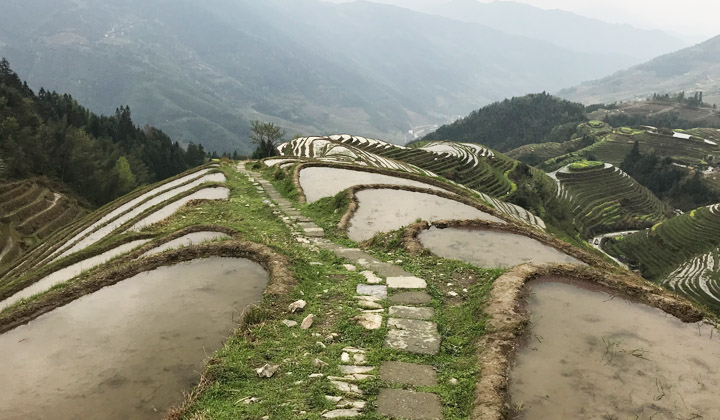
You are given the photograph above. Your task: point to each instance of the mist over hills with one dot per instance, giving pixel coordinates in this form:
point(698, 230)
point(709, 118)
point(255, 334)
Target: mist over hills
point(202, 70)
point(696, 68)
point(623, 43)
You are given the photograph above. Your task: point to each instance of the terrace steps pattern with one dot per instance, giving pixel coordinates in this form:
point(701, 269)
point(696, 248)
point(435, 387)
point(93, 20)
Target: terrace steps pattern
point(606, 199)
point(30, 212)
point(473, 166)
point(680, 253)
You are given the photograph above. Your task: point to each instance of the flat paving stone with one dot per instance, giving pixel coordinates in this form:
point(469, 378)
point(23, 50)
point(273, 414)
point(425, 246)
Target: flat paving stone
point(372, 290)
point(341, 413)
point(412, 325)
point(402, 404)
point(413, 341)
point(410, 298)
point(371, 277)
point(412, 312)
point(410, 282)
point(402, 373)
point(369, 321)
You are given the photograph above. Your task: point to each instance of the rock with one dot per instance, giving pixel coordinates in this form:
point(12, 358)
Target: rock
point(349, 370)
point(452, 294)
point(406, 282)
point(366, 304)
point(346, 387)
point(343, 412)
point(350, 267)
point(345, 358)
point(369, 321)
point(372, 290)
point(401, 373)
point(297, 306)
point(267, 371)
point(453, 381)
point(319, 363)
point(289, 323)
point(307, 322)
point(399, 403)
point(321, 344)
point(333, 399)
point(316, 375)
point(331, 337)
point(371, 277)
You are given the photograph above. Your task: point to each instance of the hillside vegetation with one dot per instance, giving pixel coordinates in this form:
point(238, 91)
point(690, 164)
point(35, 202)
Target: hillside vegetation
point(515, 122)
point(98, 157)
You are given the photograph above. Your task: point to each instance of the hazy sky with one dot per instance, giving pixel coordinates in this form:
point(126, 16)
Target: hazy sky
point(687, 17)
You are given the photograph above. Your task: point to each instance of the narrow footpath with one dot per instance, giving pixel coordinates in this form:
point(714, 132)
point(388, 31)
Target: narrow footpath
point(391, 297)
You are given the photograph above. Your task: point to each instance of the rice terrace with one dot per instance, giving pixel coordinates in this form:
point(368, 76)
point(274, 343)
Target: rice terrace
point(350, 209)
point(353, 281)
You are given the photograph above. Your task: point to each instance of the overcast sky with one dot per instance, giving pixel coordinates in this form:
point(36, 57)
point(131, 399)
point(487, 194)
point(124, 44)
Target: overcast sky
point(696, 18)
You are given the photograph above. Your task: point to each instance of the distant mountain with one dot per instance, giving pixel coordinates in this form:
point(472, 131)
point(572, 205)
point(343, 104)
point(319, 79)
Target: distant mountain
point(201, 70)
point(516, 122)
point(696, 68)
point(625, 43)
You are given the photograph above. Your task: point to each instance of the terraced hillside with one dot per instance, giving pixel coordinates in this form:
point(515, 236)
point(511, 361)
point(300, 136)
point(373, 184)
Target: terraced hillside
point(676, 251)
point(698, 278)
point(29, 213)
point(473, 166)
point(606, 199)
point(691, 148)
point(115, 224)
point(586, 134)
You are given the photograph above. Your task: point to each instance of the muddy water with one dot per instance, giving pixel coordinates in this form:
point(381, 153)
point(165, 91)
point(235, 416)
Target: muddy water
point(127, 351)
point(489, 248)
point(71, 271)
point(171, 208)
point(319, 183)
point(187, 240)
point(591, 356)
point(135, 202)
point(273, 162)
point(383, 210)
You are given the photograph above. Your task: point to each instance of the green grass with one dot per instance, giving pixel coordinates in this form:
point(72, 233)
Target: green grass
point(585, 165)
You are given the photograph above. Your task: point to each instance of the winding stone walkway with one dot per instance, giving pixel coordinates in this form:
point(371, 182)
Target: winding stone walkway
point(408, 320)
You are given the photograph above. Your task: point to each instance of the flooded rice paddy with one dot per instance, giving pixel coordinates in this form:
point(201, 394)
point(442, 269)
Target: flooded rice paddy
point(187, 240)
point(126, 212)
point(490, 248)
point(384, 210)
point(590, 355)
point(319, 182)
point(171, 208)
point(70, 272)
point(127, 351)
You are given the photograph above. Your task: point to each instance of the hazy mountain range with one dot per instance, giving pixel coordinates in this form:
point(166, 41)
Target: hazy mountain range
point(696, 68)
point(202, 70)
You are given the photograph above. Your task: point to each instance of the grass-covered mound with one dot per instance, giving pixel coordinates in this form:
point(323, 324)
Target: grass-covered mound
point(586, 165)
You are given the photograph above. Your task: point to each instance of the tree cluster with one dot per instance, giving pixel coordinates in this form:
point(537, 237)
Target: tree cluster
point(515, 122)
point(98, 157)
point(675, 185)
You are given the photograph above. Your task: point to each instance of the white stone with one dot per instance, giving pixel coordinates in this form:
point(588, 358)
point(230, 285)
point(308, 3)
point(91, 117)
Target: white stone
point(369, 321)
point(349, 370)
point(412, 312)
point(343, 412)
point(297, 306)
point(307, 322)
point(349, 267)
point(319, 363)
point(316, 375)
point(372, 290)
point(406, 283)
point(367, 304)
point(346, 387)
point(267, 371)
point(371, 277)
point(289, 323)
point(452, 294)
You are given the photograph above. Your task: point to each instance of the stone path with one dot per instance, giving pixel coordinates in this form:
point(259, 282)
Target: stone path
point(409, 322)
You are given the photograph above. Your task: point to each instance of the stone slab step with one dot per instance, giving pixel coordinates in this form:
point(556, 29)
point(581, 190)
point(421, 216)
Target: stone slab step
point(401, 373)
point(406, 282)
point(413, 341)
point(412, 312)
point(410, 298)
point(411, 405)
